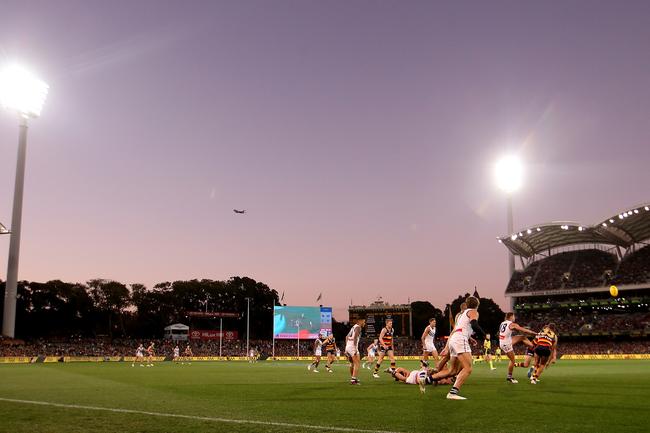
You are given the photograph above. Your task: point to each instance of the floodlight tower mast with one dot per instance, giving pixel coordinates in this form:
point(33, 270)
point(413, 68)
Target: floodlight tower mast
point(21, 92)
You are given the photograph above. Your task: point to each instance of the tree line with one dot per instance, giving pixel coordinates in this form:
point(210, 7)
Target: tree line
point(110, 308)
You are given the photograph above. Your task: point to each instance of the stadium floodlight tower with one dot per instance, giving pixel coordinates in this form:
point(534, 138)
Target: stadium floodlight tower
point(23, 93)
point(509, 173)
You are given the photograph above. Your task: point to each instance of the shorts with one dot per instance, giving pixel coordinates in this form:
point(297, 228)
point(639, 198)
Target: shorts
point(331, 352)
point(458, 344)
point(351, 351)
point(371, 354)
point(318, 352)
point(412, 378)
point(543, 351)
point(430, 347)
point(506, 347)
point(382, 350)
point(530, 351)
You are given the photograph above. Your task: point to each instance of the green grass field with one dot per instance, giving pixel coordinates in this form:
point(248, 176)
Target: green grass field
point(573, 396)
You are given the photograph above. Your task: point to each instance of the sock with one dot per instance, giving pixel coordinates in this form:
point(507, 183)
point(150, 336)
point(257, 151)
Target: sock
point(376, 368)
point(453, 390)
point(491, 365)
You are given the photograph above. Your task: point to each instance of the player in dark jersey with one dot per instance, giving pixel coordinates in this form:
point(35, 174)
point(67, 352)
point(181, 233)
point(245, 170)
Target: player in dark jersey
point(386, 347)
point(545, 350)
point(330, 351)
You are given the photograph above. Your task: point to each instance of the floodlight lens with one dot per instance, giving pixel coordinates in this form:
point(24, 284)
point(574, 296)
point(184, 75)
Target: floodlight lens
point(22, 91)
point(509, 173)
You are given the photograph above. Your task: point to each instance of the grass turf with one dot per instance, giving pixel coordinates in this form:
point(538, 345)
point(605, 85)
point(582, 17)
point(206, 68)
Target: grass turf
point(573, 396)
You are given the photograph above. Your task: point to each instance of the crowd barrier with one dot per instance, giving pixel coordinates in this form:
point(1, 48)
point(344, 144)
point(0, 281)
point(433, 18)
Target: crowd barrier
point(68, 359)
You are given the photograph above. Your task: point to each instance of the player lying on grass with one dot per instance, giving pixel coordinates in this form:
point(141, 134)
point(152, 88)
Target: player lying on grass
point(412, 377)
point(507, 341)
point(459, 348)
point(545, 351)
point(352, 350)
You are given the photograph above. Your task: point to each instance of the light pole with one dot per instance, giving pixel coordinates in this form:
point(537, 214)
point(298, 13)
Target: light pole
point(248, 324)
point(22, 92)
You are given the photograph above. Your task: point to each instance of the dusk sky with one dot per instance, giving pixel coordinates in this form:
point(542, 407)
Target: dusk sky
point(359, 136)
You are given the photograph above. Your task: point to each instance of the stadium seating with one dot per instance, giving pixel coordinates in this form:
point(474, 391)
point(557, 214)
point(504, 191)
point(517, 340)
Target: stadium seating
point(582, 268)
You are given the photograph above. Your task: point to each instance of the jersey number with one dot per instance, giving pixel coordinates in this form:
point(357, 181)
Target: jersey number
point(503, 327)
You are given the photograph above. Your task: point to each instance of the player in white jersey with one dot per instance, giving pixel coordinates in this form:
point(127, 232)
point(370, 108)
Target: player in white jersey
point(507, 341)
point(352, 350)
point(318, 352)
point(139, 356)
point(428, 343)
point(444, 354)
point(371, 350)
point(459, 348)
point(177, 354)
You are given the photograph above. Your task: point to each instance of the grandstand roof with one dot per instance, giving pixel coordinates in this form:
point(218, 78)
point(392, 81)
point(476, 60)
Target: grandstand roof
point(624, 229)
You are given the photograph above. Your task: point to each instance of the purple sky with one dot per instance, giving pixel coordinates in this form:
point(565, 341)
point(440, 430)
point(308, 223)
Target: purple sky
point(360, 136)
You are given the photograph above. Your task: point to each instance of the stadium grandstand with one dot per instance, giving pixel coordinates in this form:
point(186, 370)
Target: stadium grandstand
point(567, 269)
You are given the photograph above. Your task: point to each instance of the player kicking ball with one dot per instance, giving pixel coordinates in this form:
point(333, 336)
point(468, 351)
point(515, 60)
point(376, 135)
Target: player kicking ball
point(507, 341)
point(352, 350)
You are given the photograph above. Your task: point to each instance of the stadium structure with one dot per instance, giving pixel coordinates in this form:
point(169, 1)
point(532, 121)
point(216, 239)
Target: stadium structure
point(376, 314)
point(566, 271)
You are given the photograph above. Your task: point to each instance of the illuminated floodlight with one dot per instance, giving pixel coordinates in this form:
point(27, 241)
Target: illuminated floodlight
point(509, 173)
point(647, 208)
point(513, 237)
point(611, 220)
point(20, 90)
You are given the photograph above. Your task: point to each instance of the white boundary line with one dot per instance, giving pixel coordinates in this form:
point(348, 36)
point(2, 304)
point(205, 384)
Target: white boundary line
point(193, 417)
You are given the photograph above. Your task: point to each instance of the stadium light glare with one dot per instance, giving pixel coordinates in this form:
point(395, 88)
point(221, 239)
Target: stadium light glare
point(509, 173)
point(21, 91)
point(513, 237)
point(611, 221)
point(636, 210)
point(647, 208)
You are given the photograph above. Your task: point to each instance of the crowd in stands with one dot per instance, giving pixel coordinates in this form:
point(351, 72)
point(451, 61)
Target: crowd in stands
point(567, 322)
point(635, 268)
point(408, 347)
point(582, 268)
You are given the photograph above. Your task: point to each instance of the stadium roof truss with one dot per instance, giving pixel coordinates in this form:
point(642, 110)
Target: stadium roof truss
point(623, 230)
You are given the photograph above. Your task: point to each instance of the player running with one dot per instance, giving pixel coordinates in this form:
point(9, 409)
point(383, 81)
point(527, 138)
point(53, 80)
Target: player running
point(150, 354)
point(459, 348)
point(444, 354)
point(371, 350)
point(428, 343)
point(507, 341)
point(318, 352)
point(139, 356)
point(330, 351)
point(386, 347)
point(545, 351)
point(187, 354)
point(177, 354)
point(352, 350)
